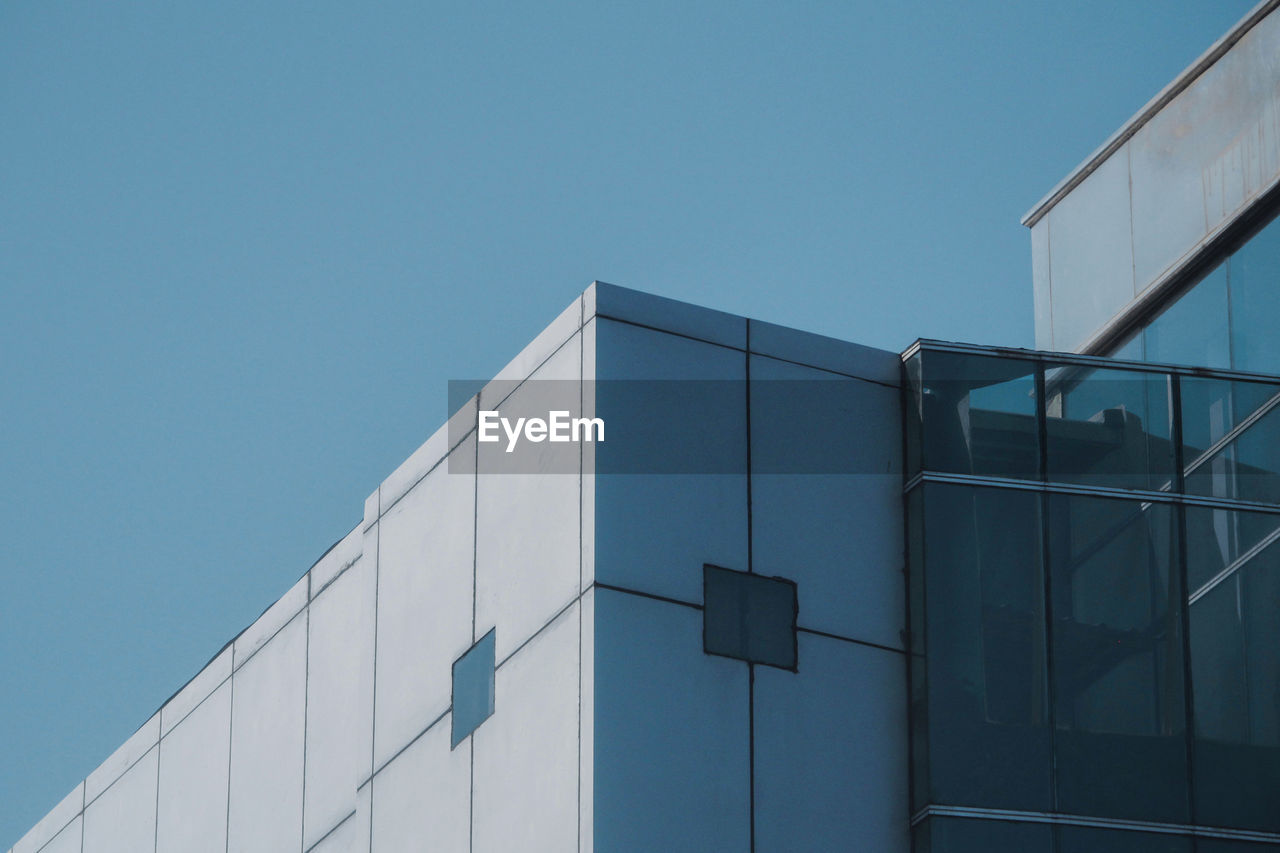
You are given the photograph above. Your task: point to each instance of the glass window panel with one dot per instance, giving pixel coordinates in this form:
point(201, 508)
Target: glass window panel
point(1088, 839)
point(983, 599)
point(1193, 330)
point(1246, 467)
point(1254, 276)
point(912, 402)
point(1132, 349)
point(979, 415)
point(473, 688)
point(1257, 460)
point(1117, 659)
point(1235, 671)
point(972, 835)
point(749, 617)
point(1108, 427)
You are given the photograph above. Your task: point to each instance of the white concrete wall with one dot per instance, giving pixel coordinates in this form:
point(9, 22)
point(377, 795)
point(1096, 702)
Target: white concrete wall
point(325, 726)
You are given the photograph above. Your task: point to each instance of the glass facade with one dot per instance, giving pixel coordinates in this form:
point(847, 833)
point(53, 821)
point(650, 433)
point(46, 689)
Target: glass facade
point(1226, 320)
point(1094, 604)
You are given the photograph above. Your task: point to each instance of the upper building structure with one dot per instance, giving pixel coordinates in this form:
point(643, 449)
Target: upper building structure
point(1183, 185)
point(796, 594)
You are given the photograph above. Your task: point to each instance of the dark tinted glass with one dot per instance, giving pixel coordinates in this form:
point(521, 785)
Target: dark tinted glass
point(473, 688)
point(971, 835)
point(750, 617)
point(917, 616)
point(1235, 668)
point(988, 737)
point(979, 415)
point(1108, 428)
point(1088, 839)
point(1220, 845)
point(1117, 659)
point(1230, 432)
point(1254, 276)
point(912, 403)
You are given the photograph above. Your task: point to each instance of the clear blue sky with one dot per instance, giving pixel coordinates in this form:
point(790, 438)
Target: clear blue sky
point(243, 246)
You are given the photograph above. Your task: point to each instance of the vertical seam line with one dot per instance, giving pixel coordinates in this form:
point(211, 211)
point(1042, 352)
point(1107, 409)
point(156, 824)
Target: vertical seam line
point(306, 707)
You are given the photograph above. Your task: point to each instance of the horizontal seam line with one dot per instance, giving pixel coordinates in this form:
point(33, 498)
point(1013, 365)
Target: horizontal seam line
point(431, 725)
point(649, 595)
point(830, 636)
point(332, 830)
point(535, 634)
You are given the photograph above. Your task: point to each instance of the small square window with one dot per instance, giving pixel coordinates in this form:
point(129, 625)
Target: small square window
point(473, 688)
point(749, 617)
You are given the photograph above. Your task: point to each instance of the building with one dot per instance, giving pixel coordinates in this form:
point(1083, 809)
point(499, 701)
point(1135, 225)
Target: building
point(705, 633)
point(1094, 599)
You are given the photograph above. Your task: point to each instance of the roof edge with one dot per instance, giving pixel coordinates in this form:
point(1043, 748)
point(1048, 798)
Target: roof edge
point(1144, 115)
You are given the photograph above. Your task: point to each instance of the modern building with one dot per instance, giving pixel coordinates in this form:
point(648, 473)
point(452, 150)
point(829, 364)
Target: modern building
point(803, 594)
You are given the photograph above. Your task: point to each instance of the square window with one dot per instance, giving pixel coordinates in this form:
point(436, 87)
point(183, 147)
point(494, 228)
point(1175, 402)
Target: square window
point(749, 617)
point(473, 688)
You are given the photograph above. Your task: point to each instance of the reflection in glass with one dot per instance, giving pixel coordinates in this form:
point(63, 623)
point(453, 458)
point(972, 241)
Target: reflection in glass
point(979, 415)
point(1254, 274)
point(1117, 659)
point(912, 401)
point(1108, 427)
point(1230, 434)
point(1235, 666)
point(1226, 320)
point(1193, 330)
point(988, 737)
point(1132, 348)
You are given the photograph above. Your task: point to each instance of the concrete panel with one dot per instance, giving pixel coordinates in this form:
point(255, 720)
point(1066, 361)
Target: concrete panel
point(1042, 287)
point(421, 800)
point(820, 351)
point(53, 823)
point(527, 549)
point(1209, 153)
point(838, 535)
point(66, 841)
point(426, 457)
point(343, 838)
point(657, 312)
point(272, 620)
point(654, 532)
point(548, 341)
point(268, 710)
point(831, 750)
point(425, 579)
point(361, 837)
point(340, 557)
point(1091, 264)
point(339, 699)
point(123, 819)
point(196, 690)
point(123, 758)
point(194, 762)
point(672, 766)
point(526, 755)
